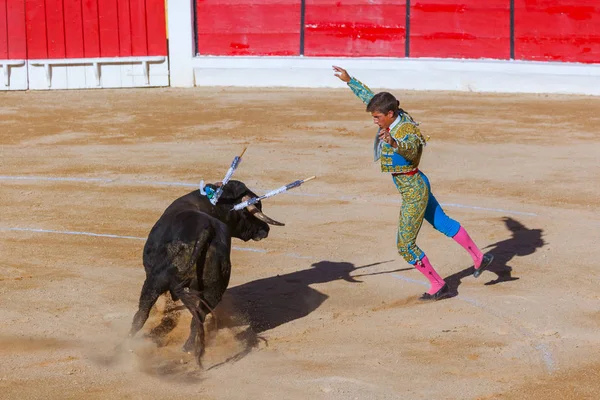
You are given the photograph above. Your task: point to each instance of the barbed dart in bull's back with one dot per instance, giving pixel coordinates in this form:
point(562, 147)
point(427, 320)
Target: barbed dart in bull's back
point(272, 193)
point(234, 164)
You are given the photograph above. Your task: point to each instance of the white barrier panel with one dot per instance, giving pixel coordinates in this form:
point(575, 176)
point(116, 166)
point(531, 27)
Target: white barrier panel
point(393, 73)
point(90, 73)
point(13, 75)
point(180, 18)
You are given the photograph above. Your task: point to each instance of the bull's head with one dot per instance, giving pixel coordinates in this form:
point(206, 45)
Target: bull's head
point(248, 223)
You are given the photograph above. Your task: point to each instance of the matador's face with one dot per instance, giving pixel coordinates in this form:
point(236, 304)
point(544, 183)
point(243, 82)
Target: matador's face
point(383, 120)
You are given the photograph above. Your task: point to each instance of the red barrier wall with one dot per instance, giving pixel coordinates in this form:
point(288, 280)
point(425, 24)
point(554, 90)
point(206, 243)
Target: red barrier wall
point(557, 30)
point(460, 28)
point(248, 27)
point(545, 30)
point(40, 29)
point(564, 30)
point(13, 43)
point(357, 28)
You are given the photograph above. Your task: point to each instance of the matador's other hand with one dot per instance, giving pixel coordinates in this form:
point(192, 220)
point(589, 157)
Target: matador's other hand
point(386, 137)
point(342, 74)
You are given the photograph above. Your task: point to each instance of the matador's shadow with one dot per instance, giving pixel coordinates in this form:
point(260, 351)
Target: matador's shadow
point(270, 302)
point(523, 242)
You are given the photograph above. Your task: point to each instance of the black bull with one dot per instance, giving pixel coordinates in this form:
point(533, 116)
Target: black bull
point(187, 253)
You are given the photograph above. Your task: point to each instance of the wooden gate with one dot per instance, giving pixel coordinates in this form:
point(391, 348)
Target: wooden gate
point(56, 44)
point(13, 45)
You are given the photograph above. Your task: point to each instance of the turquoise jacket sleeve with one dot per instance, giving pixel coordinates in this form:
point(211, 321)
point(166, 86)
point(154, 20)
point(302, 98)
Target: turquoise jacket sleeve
point(361, 90)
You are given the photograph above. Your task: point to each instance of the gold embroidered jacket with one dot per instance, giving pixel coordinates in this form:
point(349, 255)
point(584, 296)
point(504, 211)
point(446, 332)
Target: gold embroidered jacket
point(406, 133)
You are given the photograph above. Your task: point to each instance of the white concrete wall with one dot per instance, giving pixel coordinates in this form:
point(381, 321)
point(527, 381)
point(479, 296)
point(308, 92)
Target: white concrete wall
point(188, 70)
point(413, 74)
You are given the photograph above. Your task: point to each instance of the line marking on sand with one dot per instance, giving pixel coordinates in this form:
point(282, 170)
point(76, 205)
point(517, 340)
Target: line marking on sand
point(194, 185)
point(411, 280)
point(542, 348)
point(106, 235)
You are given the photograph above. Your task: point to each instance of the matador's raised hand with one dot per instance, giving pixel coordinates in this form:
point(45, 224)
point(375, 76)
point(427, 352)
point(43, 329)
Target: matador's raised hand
point(342, 74)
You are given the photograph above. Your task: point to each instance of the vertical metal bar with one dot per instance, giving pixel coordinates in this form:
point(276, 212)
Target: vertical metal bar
point(5, 67)
point(407, 31)
point(195, 29)
point(302, 23)
point(512, 29)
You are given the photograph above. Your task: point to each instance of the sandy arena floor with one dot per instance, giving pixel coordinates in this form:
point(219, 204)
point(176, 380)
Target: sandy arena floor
point(324, 308)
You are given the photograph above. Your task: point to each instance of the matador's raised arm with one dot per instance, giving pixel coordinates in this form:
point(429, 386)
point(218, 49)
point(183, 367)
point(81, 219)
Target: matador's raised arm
point(361, 90)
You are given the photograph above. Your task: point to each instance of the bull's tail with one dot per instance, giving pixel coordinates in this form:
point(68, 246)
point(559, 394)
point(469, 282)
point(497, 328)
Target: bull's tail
point(193, 299)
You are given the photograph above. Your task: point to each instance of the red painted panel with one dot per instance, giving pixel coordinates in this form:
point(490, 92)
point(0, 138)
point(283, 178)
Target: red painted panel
point(557, 30)
point(55, 29)
point(157, 27)
point(91, 28)
point(357, 28)
point(124, 28)
point(73, 29)
point(109, 28)
point(246, 27)
point(3, 30)
point(35, 12)
point(16, 29)
point(139, 38)
point(460, 29)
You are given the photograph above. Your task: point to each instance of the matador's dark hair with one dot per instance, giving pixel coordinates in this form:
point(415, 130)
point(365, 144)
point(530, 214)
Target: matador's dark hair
point(385, 102)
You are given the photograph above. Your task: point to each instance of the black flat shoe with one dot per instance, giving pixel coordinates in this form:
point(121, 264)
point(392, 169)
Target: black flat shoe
point(487, 260)
point(440, 294)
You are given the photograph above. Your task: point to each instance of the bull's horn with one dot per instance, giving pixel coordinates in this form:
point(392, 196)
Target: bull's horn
point(259, 214)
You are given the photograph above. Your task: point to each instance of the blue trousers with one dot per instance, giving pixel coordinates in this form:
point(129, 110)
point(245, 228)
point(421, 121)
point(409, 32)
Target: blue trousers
point(435, 215)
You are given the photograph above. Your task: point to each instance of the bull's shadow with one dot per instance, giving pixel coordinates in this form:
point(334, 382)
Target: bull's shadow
point(523, 242)
point(266, 303)
point(270, 302)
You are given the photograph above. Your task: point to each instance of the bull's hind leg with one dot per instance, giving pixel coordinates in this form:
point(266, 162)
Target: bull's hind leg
point(169, 320)
point(151, 291)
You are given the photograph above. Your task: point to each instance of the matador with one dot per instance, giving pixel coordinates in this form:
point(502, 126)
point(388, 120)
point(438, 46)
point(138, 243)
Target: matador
point(398, 146)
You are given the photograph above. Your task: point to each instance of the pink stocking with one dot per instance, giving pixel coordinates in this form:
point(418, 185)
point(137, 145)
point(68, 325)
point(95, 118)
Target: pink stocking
point(425, 267)
point(463, 238)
